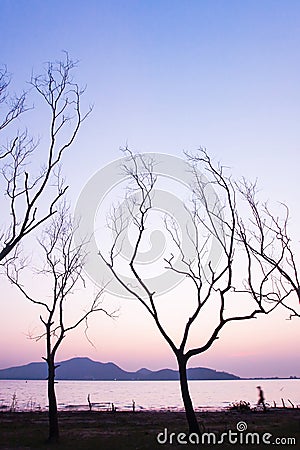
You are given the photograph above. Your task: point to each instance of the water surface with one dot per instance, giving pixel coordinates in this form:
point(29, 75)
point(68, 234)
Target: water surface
point(149, 395)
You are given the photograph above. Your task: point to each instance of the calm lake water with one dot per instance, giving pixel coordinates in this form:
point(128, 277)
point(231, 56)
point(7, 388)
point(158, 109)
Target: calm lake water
point(149, 395)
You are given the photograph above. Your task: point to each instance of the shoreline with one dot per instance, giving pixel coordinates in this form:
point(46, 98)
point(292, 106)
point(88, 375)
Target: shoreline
point(200, 410)
point(91, 430)
point(107, 408)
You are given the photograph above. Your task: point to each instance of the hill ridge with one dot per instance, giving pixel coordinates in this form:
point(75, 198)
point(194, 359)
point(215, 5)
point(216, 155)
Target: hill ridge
point(84, 368)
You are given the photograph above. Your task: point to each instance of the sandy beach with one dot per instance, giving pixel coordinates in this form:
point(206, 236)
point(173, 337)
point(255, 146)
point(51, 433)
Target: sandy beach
point(149, 430)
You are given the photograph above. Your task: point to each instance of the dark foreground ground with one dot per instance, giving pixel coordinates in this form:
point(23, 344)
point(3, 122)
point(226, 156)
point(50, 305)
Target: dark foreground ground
point(125, 430)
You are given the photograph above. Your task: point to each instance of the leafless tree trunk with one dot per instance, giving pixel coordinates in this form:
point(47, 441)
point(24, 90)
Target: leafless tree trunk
point(24, 192)
point(213, 214)
point(64, 267)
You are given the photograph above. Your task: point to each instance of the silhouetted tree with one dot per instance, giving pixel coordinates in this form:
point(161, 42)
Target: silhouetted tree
point(63, 267)
point(266, 237)
point(25, 204)
point(213, 215)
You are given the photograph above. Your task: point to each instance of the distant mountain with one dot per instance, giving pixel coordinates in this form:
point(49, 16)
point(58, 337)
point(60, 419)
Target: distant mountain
point(86, 369)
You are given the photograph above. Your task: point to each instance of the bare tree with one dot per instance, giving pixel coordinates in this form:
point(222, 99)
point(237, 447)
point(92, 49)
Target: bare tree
point(24, 192)
point(268, 242)
point(63, 266)
point(213, 215)
point(14, 106)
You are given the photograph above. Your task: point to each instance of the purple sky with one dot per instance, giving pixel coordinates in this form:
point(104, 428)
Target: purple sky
point(168, 76)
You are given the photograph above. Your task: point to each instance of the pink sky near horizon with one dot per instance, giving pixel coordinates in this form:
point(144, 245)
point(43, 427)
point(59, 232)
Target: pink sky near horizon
point(250, 349)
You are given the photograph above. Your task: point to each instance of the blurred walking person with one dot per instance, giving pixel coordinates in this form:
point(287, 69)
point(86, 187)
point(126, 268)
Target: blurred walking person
point(261, 398)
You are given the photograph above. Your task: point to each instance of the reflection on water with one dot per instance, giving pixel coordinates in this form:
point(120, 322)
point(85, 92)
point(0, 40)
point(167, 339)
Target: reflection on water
point(149, 395)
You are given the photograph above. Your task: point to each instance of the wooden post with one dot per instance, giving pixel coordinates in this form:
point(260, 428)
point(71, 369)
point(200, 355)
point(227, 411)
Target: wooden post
point(89, 402)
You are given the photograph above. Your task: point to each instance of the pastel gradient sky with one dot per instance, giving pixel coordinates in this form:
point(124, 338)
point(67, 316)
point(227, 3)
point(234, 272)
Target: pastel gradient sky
point(167, 76)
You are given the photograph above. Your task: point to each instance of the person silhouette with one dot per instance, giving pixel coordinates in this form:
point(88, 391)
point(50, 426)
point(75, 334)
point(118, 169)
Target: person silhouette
point(261, 398)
